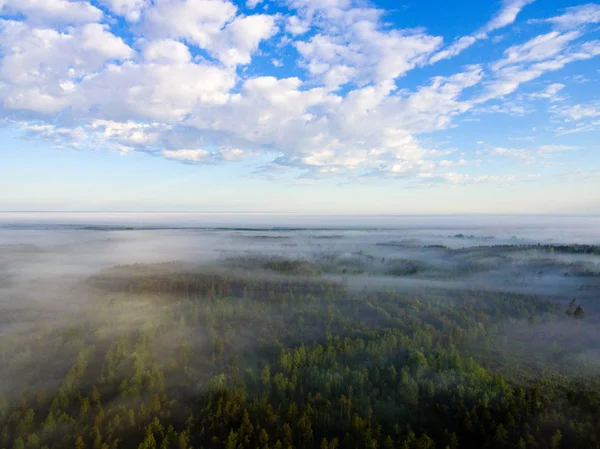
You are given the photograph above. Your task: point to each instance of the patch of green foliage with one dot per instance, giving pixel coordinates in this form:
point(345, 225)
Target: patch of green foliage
point(188, 359)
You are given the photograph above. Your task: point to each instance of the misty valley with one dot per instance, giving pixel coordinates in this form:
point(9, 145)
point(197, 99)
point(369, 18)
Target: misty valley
point(288, 338)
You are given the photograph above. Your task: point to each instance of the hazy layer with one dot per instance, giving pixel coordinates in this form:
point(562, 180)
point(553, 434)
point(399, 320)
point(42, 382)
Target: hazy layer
point(542, 228)
point(46, 259)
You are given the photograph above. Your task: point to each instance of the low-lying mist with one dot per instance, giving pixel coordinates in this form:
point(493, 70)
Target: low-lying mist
point(152, 315)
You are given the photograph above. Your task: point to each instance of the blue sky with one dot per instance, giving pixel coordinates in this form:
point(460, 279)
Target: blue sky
point(310, 106)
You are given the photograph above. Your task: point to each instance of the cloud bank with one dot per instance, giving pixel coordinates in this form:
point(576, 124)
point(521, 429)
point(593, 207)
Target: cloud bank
point(316, 87)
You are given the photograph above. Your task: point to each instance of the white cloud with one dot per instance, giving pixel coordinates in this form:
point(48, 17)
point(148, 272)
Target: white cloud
point(296, 26)
point(241, 38)
point(234, 154)
point(579, 111)
point(45, 71)
point(579, 79)
point(196, 21)
point(525, 155)
point(348, 118)
point(187, 155)
point(205, 156)
point(211, 25)
point(505, 107)
point(458, 47)
point(578, 118)
point(328, 8)
point(365, 54)
point(152, 91)
point(353, 44)
point(433, 106)
point(507, 15)
point(580, 127)
point(96, 38)
point(334, 135)
point(526, 62)
point(266, 112)
point(52, 12)
point(130, 9)
point(553, 89)
point(167, 51)
point(574, 17)
point(253, 3)
point(549, 93)
point(127, 133)
point(40, 65)
point(32, 99)
point(99, 134)
point(537, 49)
point(74, 137)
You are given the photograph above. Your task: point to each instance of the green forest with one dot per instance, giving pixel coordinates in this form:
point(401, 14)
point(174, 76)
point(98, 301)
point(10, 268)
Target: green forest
point(170, 356)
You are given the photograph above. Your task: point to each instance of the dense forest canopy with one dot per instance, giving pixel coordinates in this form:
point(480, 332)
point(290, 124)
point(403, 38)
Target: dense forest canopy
point(303, 340)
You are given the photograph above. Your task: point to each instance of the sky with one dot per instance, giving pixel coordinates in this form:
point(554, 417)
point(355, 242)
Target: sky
point(300, 106)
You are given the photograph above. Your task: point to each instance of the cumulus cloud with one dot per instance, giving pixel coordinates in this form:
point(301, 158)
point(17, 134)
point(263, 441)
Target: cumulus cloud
point(40, 67)
point(365, 54)
point(345, 135)
point(52, 12)
point(99, 135)
point(181, 83)
point(352, 44)
point(167, 51)
point(296, 26)
point(152, 91)
point(212, 25)
point(241, 38)
point(129, 133)
point(74, 137)
point(130, 9)
point(195, 21)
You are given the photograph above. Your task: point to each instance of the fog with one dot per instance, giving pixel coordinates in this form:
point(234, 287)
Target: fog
point(43, 253)
point(47, 261)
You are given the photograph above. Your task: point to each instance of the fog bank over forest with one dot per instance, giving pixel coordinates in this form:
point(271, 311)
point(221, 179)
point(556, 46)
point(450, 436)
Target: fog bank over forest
point(157, 313)
point(484, 251)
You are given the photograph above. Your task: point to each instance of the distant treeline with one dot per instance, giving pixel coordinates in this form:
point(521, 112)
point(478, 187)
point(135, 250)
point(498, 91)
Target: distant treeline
point(190, 285)
point(561, 249)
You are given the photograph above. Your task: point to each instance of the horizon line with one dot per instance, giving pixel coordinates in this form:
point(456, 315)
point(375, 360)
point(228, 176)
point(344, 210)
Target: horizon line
point(367, 214)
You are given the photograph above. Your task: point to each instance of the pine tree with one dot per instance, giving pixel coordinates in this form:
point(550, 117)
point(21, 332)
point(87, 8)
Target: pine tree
point(79, 443)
